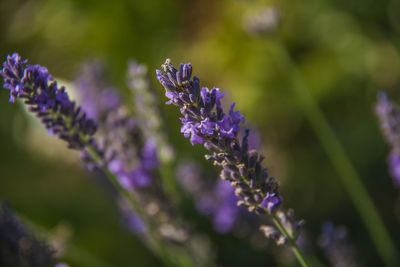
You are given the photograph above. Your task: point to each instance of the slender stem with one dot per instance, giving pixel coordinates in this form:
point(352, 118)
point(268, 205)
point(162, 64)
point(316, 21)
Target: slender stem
point(337, 155)
point(292, 242)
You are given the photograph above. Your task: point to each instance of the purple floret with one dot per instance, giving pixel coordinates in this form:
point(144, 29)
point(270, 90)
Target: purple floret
point(271, 201)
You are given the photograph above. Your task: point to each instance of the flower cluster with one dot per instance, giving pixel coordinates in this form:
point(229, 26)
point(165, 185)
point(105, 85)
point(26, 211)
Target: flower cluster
point(205, 122)
point(51, 104)
point(389, 117)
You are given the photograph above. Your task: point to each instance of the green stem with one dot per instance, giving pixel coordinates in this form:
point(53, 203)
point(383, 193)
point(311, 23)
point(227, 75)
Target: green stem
point(292, 242)
point(337, 155)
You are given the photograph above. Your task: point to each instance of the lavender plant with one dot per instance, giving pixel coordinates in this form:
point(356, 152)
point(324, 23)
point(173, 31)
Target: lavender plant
point(389, 117)
point(205, 122)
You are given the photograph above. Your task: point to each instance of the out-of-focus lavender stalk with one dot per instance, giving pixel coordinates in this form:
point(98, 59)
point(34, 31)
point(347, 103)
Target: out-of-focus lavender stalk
point(148, 110)
point(206, 123)
point(151, 121)
point(389, 117)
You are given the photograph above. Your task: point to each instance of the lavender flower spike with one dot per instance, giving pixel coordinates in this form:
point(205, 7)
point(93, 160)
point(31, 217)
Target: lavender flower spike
point(50, 103)
point(205, 122)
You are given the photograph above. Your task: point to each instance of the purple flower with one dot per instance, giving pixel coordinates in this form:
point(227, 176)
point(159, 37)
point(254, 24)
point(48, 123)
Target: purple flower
point(173, 97)
point(271, 202)
point(51, 104)
point(206, 126)
point(227, 129)
point(190, 130)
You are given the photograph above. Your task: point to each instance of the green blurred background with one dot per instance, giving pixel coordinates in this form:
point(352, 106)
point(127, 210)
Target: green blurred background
point(346, 51)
